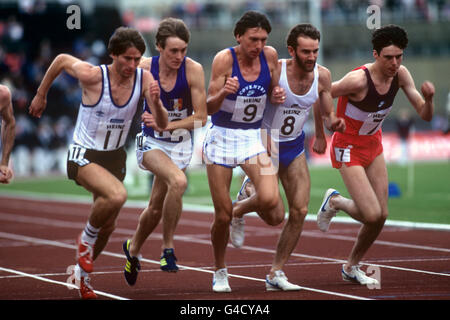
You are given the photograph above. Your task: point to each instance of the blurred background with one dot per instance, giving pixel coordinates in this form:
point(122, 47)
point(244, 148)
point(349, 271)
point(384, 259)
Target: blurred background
point(33, 32)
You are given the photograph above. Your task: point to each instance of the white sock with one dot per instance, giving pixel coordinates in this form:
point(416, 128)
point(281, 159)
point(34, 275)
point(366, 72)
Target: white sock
point(90, 234)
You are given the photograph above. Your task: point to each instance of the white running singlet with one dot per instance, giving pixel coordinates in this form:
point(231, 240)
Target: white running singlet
point(285, 122)
point(104, 126)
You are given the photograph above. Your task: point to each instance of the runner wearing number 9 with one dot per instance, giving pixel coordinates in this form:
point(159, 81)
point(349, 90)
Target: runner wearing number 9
point(241, 79)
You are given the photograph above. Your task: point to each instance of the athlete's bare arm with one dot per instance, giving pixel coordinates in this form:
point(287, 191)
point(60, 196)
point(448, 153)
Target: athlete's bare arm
point(325, 102)
point(196, 80)
point(276, 93)
point(353, 85)
point(90, 79)
point(424, 105)
point(221, 84)
point(151, 93)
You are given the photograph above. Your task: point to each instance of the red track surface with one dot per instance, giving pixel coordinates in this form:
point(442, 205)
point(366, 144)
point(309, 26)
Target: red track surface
point(37, 244)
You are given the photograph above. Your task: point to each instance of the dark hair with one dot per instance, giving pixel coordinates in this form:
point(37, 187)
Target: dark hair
point(124, 38)
point(303, 29)
point(171, 27)
point(252, 19)
point(389, 35)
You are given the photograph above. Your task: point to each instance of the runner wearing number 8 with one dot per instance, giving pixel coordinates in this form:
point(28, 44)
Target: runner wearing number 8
point(307, 86)
point(96, 158)
point(242, 77)
point(366, 95)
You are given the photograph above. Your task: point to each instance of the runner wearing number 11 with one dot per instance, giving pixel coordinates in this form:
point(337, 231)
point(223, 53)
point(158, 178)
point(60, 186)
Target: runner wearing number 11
point(366, 96)
point(96, 158)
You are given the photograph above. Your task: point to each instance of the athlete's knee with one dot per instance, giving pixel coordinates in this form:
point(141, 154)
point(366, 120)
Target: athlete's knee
point(268, 201)
point(117, 197)
point(222, 218)
point(376, 217)
point(178, 183)
point(297, 215)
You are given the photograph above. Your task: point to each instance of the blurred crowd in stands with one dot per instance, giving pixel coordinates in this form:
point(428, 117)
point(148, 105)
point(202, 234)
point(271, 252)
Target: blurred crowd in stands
point(23, 64)
point(224, 13)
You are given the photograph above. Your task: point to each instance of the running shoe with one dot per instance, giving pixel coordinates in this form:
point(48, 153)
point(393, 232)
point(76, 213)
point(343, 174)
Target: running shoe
point(86, 291)
point(132, 266)
point(220, 281)
point(168, 261)
point(84, 255)
point(237, 232)
point(356, 275)
point(242, 194)
point(280, 282)
point(326, 213)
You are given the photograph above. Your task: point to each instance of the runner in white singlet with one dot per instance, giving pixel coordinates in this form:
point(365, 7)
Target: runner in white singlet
point(96, 159)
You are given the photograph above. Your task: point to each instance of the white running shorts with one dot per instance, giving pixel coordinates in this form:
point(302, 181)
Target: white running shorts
point(180, 153)
point(231, 147)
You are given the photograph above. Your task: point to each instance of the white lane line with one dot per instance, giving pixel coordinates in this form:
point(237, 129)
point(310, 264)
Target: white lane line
point(67, 198)
point(128, 232)
point(69, 285)
point(262, 230)
point(121, 256)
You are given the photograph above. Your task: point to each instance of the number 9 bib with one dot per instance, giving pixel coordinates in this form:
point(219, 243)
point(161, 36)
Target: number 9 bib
point(249, 109)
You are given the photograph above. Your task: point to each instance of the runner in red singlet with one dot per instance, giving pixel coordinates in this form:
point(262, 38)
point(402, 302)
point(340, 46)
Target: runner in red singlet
point(366, 95)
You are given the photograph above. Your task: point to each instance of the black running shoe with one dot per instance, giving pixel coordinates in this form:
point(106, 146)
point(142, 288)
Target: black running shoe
point(132, 266)
point(168, 261)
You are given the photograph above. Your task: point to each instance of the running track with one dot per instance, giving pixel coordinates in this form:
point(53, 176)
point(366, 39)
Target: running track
point(37, 245)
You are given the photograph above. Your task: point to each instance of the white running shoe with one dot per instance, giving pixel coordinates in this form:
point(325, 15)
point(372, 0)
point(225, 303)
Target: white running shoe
point(280, 282)
point(242, 194)
point(220, 281)
point(356, 275)
point(325, 213)
point(237, 232)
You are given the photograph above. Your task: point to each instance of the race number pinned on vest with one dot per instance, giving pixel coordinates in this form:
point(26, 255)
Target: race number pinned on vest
point(249, 109)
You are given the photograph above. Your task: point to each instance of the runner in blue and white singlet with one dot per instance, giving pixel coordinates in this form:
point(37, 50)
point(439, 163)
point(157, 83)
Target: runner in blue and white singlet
point(177, 145)
point(242, 79)
point(239, 119)
point(166, 152)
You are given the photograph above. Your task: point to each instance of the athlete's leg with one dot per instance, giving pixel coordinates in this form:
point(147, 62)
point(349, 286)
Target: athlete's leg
point(266, 201)
point(150, 216)
point(109, 196)
point(368, 204)
point(296, 183)
point(166, 172)
point(219, 179)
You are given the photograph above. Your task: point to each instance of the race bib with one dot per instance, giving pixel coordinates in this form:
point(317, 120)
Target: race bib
point(373, 122)
point(172, 116)
point(249, 109)
point(342, 154)
point(76, 152)
point(111, 135)
point(289, 121)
